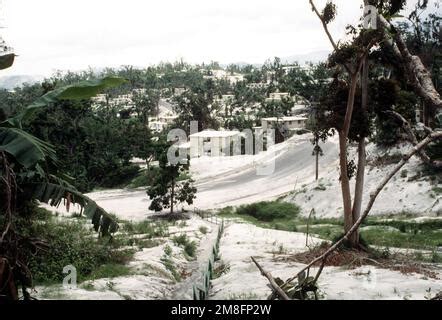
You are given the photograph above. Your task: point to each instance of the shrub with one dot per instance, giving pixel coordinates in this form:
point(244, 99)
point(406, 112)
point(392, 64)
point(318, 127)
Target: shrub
point(167, 250)
point(72, 243)
point(269, 211)
point(203, 229)
point(147, 227)
point(184, 242)
point(180, 240)
point(144, 178)
point(190, 249)
point(120, 176)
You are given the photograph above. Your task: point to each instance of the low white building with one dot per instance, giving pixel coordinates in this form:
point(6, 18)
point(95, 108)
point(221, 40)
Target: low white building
point(212, 143)
point(291, 123)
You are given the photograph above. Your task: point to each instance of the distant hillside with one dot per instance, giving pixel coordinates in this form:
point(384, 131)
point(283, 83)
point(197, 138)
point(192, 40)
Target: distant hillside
point(11, 82)
point(315, 57)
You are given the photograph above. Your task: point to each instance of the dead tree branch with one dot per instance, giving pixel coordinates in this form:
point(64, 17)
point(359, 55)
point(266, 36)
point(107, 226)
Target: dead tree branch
point(274, 285)
point(418, 75)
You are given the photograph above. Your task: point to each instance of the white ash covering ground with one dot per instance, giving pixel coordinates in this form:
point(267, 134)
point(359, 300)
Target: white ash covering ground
point(399, 196)
point(233, 181)
point(244, 281)
point(150, 278)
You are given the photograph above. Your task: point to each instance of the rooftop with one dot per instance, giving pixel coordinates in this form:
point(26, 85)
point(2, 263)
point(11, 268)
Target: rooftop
point(215, 134)
point(285, 119)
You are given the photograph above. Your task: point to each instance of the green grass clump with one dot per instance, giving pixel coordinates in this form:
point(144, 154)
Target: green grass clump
point(203, 229)
point(184, 242)
point(73, 243)
point(269, 211)
point(150, 228)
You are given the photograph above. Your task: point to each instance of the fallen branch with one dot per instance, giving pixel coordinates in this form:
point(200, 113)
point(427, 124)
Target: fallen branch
point(412, 138)
point(274, 285)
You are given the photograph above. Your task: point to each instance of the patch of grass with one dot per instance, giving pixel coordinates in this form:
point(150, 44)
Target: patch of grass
point(170, 266)
point(167, 250)
point(226, 211)
point(320, 187)
point(327, 232)
point(269, 211)
point(406, 225)
point(387, 238)
point(203, 229)
point(184, 242)
point(71, 242)
point(180, 240)
point(89, 286)
point(220, 269)
point(182, 224)
point(184, 176)
point(142, 243)
point(404, 173)
point(437, 190)
point(110, 270)
point(144, 178)
point(150, 228)
point(190, 249)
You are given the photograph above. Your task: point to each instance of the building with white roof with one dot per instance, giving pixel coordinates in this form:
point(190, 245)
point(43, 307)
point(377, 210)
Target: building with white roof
point(291, 123)
point(212, 143)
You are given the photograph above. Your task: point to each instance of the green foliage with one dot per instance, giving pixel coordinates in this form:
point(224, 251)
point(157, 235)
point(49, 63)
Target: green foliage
point(167, 250)
point(189, 246)
point(203, 229)
point(147, 227)
point(329, 12)
point(71, 243)
point(269, 211)
point(305, 288)
point(25, 148)
point(168, 263)
point(166, 190)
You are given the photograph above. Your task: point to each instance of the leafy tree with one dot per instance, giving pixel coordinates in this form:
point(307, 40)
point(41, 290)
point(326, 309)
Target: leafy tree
point(196, 105)
point(167, 191)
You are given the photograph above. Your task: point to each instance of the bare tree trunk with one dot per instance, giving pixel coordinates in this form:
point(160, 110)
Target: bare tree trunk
point(343, 134)
point(172, 196)
point(360, 175)
point(345, 182)
point(317, 161)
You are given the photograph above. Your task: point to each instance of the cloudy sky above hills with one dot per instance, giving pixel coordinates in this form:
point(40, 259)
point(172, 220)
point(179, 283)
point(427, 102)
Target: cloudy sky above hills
point(49, 35)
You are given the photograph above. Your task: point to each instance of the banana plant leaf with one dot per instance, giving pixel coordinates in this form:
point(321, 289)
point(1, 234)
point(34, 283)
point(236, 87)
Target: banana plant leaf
point(6, 61)
point(27, 149)
point(54, 193)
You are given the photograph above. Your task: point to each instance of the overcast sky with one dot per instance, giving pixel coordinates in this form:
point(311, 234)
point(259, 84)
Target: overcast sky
point(65, 34)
